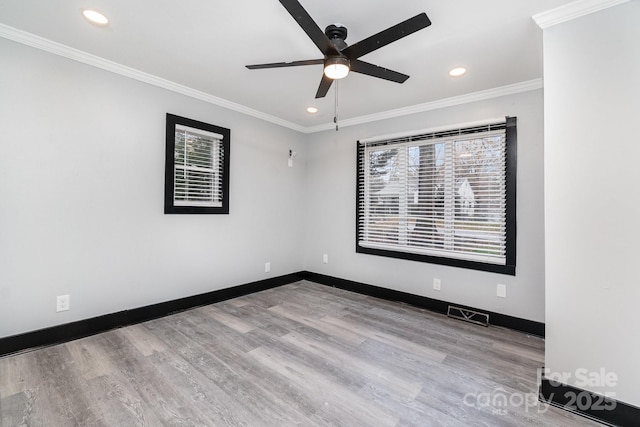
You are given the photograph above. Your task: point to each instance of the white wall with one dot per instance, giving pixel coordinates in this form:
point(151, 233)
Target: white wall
point(592, 147)
point(330, 213)
point(82, 195)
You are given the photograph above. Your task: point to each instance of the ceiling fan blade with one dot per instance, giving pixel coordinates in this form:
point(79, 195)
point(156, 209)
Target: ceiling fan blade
point(325, 84)
point(376, 71)
point(309, 26)
point(286, 64)
point(387, 36)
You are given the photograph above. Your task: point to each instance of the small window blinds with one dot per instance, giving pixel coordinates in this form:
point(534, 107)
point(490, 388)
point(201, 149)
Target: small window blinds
point(198, 167)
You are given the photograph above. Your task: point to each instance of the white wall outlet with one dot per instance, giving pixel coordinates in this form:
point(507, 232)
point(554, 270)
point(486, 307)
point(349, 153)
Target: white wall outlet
point(63, 303)
point(290, 162)
point(325, 258)
point(436, 284)
point(267, 267)
point(501, 290)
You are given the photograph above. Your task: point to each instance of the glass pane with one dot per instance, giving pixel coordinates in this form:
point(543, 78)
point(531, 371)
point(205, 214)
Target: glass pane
point(383, 191)
point(179, 148)
point(479, 195)
point(426, 195)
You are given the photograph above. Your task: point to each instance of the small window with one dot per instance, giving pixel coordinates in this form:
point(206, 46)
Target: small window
point(197, 167)
point(443, 197)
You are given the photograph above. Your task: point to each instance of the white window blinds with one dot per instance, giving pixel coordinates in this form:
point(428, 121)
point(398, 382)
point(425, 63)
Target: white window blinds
point(198, 167)
point(440, 194)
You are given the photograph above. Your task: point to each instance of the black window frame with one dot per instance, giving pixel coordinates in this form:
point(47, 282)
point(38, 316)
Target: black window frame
point(169, 207)
point(509, 268)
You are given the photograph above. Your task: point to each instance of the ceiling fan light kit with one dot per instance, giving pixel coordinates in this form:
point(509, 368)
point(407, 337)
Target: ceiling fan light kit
point(340, 58)
point(336, 67)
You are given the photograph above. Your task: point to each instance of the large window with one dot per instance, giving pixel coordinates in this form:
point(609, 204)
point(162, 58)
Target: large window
point(197, 167)
point(444, 197)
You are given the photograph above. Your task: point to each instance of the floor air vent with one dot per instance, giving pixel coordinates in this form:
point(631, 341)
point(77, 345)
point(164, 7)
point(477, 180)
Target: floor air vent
point(468, 315)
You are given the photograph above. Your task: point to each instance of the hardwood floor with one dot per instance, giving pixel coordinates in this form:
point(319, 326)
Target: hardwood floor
point(301, 354)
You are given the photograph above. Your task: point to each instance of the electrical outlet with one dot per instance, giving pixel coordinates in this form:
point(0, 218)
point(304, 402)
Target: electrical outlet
point(267, 267)
point(325, 258)
point(436, 284)
point(501, 291)
point(63, 303)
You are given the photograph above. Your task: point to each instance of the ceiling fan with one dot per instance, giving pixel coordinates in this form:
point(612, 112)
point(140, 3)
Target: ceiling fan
point(339, 58)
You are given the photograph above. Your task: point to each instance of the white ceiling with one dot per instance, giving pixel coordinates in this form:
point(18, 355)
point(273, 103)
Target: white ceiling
point(205, 45)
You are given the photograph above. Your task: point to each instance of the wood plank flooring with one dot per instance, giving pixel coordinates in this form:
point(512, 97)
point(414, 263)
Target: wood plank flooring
point(301, 354)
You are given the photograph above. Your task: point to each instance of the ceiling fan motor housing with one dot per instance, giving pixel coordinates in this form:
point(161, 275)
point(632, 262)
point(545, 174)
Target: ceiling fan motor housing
point(337, 34)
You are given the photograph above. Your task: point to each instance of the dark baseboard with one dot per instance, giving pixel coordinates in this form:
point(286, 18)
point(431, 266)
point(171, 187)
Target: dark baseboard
point(496, 319)
point(587, 404)
point(82, 328)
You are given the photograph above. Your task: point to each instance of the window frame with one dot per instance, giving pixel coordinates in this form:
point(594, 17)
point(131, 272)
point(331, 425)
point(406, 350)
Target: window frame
point(509, 267)
point(172, 121)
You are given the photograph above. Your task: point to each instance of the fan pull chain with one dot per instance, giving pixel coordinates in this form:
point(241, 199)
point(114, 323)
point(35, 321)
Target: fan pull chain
point(335, 110)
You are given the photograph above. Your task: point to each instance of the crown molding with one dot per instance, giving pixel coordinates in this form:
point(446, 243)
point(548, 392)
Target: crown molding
point(435, 105)
point(65, 51)
point(573, 10)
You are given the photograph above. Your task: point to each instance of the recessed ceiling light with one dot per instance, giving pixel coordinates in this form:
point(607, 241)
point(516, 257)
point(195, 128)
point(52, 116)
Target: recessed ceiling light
point(312, 110)
point(457, 72)
point(95, 17)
